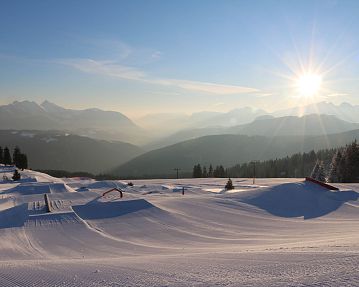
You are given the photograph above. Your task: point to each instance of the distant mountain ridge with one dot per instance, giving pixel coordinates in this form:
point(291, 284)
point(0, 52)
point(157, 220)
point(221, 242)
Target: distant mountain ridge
point(168, 123)
point(269, 126)
point(160, 130)
point(344, 111)
point(57, 150)
point(94, 123)
point(228, 150)
point(312, 124)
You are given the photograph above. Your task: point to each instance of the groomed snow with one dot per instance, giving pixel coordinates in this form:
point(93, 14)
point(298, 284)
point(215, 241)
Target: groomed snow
point(278, 232)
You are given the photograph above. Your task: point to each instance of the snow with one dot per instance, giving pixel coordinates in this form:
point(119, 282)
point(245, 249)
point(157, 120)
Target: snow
point(278, 232)
point(27, 134)
point(49, 139)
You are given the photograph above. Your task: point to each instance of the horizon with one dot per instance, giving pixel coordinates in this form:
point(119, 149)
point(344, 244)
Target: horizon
point(225, 55)
point(183, 113)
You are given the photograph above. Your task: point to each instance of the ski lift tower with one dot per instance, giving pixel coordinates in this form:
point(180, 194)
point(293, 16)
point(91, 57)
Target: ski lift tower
point(177, 170)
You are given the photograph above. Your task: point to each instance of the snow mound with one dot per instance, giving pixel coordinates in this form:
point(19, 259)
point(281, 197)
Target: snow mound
point(6, 203)
point(302, 199)
point(38, 188)
point(102, 210)
point(14, 216)
point(107, 184)
point(39, 176)
point(52, 219)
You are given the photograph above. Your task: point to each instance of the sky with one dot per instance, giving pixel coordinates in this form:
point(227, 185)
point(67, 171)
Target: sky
point(143, 57)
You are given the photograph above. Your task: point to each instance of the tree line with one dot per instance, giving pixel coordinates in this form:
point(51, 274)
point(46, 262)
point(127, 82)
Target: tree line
point(199, 171)
point(18, 158)
point(344, 166)
point(328, 165)
point(297, 165)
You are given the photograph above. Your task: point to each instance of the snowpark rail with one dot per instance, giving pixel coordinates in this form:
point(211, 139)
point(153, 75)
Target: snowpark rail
point(47, 203)
point(114, 189)
point(323, 184)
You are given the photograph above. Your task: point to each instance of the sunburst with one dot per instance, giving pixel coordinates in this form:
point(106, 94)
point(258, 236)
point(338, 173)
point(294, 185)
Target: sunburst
point(309, 85)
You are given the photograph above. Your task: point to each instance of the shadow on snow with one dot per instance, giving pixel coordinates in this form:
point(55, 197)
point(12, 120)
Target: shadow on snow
point(299, 199)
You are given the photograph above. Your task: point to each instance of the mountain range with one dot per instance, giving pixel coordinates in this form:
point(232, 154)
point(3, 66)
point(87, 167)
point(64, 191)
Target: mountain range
point(227, 150)
point(165, 124)
point(94, 140)
point(266, 125)
point(172, 121)
point(93, 123)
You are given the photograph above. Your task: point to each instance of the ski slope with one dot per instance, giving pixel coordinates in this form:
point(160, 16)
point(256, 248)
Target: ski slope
point(278, 232)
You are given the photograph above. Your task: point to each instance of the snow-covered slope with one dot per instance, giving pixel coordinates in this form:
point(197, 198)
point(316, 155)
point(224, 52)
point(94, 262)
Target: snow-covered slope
point(259, 235)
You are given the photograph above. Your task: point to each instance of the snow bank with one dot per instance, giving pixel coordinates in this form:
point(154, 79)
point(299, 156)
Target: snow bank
point(38, 188)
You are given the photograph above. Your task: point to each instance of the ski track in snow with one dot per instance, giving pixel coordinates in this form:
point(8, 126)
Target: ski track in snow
point(278, 232)
point(282, 269)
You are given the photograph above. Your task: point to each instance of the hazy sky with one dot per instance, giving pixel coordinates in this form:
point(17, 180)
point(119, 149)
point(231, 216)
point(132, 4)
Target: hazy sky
point(142, 57)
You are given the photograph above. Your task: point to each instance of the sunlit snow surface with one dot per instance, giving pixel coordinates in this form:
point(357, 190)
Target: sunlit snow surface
point(278, 232)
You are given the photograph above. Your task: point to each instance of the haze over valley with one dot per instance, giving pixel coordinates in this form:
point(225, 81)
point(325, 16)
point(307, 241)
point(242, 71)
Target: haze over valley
point(97, 141)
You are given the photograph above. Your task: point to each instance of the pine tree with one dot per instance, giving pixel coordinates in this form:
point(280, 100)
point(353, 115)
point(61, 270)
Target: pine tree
point(349, 165)
point(16, 156)
point(222, 172)
point(334, 172)
point(229, 185)
point(1, 155)
point(204, 172)
point(315, 170)
point(7, 156)
point(354, 163)
point(216, 171)
point(16, 176)
point(197, 171)
point(22, 161)
point(210, 171)
point(321, 173)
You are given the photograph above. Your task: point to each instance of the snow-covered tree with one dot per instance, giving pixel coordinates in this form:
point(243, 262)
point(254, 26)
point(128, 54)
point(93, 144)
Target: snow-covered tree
point(315, 170)
point(321, 173)
point(318, 172)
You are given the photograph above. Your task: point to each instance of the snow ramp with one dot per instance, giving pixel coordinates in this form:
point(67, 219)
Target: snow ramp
point(56, 235)
point(103, 210)
point(141, 222)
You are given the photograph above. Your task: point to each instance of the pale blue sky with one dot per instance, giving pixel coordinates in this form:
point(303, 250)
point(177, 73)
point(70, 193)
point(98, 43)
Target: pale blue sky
point(142, 57)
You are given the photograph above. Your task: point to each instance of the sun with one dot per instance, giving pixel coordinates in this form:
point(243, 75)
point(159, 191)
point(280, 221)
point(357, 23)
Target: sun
point(309, 85)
